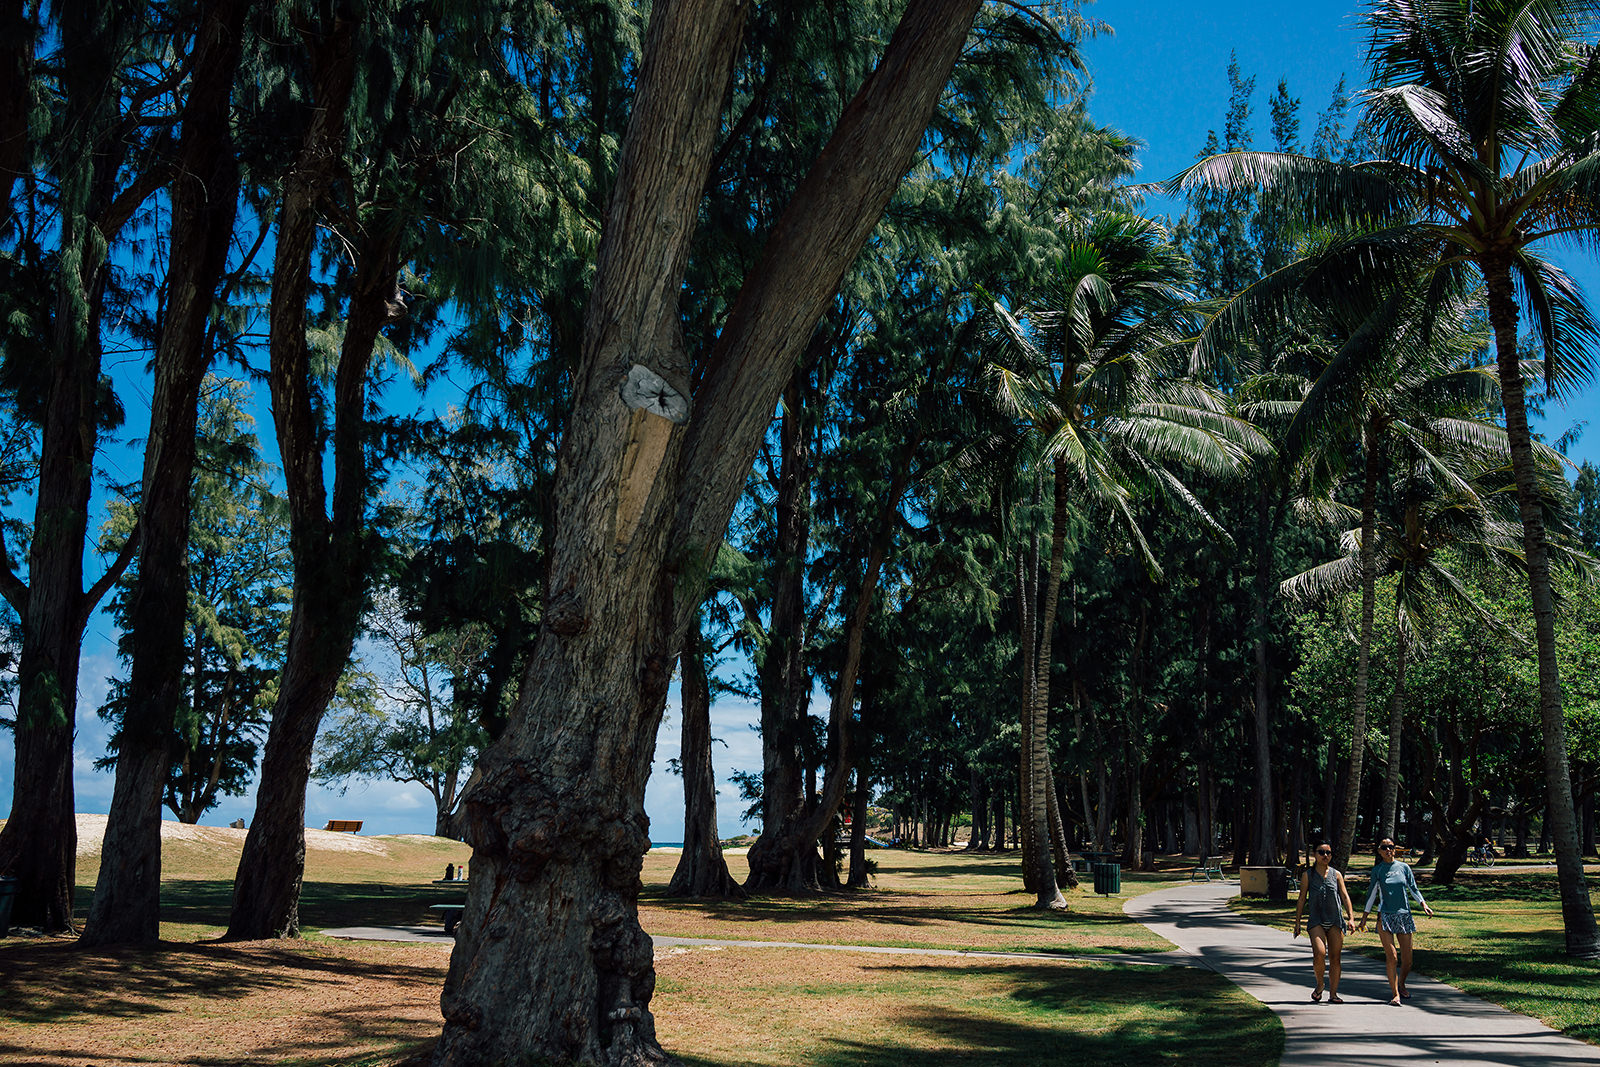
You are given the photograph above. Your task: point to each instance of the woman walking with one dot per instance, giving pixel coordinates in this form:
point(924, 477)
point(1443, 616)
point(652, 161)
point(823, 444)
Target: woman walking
point(1393, 885)
point(1327, 920)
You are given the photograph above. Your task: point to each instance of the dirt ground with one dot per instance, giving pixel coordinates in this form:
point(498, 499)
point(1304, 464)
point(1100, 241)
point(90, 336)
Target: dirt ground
point(212, 1004)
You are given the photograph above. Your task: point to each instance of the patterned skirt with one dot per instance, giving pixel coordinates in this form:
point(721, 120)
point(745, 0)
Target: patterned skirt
point(1396, 922)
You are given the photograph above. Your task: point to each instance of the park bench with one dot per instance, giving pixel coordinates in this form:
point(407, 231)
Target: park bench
point(452, 915)
point(1206, 868)
point(344, 826)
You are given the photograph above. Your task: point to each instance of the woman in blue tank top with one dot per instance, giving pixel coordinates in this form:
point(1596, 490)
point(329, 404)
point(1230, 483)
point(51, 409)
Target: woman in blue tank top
point(1393, 885)
point(1327, 920)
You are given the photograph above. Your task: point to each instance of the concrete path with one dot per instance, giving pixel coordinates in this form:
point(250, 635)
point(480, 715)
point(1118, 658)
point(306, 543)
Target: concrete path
point(1438, 1025)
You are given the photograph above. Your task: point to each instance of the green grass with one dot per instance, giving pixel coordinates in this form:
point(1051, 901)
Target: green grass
point(325, 1002)
point(859, 1012)
point(1497, 935)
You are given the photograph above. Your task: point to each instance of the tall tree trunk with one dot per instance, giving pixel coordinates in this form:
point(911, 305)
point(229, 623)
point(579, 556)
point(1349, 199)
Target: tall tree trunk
point(329, 555)
point(1577, 913)
point(1344, 843)
point(38, 844)
point(550, 961)
point(1029, 832)
point(1263, 840)
point(1048, 891)
point(127, 897)
point(701, 870)
point(785, 684)
point(858, 876)
point(1391, 770)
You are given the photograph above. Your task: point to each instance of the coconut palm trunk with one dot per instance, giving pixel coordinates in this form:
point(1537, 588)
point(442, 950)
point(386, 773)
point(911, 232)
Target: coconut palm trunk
point(1391, 773)
point(1582, 937)
point(1345, 843)
point(1040, 779)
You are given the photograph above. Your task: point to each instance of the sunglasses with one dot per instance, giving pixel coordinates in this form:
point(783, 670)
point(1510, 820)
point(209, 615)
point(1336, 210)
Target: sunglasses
point(1385, 848)
point(1324, 851)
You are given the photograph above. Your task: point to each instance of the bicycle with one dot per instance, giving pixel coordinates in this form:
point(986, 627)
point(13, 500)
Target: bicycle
point(1483, 856)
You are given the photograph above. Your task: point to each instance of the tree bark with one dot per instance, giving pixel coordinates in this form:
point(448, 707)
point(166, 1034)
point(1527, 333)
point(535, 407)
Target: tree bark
point(701, 870)
point(1391, 770)
point(329, 552)
point(1344, 843)
point(550, 961)
point(1262, 842)
point(204, 194)
point(1577, 913)
point(785, 683)
point(38, 844)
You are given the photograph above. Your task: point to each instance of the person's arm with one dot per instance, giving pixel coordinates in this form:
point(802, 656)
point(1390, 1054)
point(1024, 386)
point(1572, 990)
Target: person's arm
point(1300, 908)
point(1372, 898)
point(1349, 908)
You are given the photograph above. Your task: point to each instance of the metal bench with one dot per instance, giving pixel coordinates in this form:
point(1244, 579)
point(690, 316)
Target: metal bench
point(452, 915)
point(1206, 868)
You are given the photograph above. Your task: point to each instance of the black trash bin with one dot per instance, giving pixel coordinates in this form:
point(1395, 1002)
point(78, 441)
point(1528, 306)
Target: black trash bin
point(8, 890)
point(1107, 878)
point(1278, 884)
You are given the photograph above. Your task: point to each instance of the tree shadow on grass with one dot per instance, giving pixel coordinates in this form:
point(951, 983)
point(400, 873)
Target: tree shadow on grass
point(322, 904)
point(1083, 1015)
point(49, 983)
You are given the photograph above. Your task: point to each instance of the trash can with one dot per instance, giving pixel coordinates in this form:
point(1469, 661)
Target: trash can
point(1107, 878)
point(8, 890)
point(1277, 883)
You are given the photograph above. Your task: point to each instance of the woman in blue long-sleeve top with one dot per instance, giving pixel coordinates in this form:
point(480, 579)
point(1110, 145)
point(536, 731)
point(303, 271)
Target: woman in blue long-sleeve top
point(1393, 885)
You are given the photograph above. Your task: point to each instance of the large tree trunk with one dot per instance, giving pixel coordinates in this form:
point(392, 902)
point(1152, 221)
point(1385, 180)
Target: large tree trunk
point(701, 870)
point(327, 538)
point(127, 897)
point(38, 844)
point(1577, 913)
point(550, 961)
point(1391, 770)
point(1345, 841)
point(1048, 891)
point(1029, 830)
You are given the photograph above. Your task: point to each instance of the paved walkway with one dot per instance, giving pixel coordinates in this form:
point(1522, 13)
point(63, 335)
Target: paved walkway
point(1438, 1025)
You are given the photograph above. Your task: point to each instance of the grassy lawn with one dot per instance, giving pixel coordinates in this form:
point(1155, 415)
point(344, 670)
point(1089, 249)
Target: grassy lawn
point(1494, 934)
point(322, 1001)
point(922, 899)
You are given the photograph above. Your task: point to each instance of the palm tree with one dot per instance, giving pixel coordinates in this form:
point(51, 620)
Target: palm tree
point(1088, 366)
point(1485, 116)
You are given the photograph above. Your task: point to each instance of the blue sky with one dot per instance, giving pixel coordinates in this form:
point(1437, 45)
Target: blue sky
point(1162, 77)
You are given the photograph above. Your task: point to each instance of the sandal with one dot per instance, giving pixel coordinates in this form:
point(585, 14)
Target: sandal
point(1316, 995)
point(1394, 1001)
point(1334, 998)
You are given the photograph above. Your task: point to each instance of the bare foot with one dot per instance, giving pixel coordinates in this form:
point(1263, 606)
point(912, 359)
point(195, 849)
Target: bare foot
point(1404, 993)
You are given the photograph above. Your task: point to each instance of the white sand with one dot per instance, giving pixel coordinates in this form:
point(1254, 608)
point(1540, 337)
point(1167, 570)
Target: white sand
point(92, 830)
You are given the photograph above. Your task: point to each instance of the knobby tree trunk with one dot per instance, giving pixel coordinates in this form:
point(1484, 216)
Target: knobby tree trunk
point(204, 194)
point(551, 961)
point(1577, 913)
point(1344, 843)
point(701, 870)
